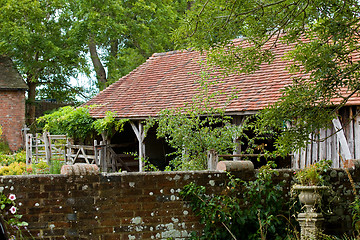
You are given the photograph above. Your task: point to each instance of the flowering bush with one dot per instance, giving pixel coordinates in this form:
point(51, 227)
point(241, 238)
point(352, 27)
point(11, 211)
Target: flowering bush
point(8, 216)
point(15, 168)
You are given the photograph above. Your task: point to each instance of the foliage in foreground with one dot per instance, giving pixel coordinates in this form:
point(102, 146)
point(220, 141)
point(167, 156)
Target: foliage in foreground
point(244, 210)
point(9, 216)
point(325, 65)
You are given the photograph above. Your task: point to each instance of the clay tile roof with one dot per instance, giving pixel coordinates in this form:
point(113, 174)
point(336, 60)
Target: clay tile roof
point(9, 76)
point(169, 80)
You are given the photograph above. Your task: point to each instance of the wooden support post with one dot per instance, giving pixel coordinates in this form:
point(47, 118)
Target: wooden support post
point(238, 121)
point(103, 156)
point(140, 135)
point(37, 147)
point(213, 159)
point(69, 159)
point(47, 143)
point(96, 153)
point(28, 144)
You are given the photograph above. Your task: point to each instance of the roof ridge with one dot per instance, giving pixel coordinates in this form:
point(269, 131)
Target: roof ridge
point(171, 52)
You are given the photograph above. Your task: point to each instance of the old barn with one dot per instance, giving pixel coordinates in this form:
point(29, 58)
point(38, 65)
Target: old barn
point(169, 80)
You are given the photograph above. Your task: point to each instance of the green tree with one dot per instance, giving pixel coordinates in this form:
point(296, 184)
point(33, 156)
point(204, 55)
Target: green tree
point(38, 36)
point(120, 35)
point(325, 40)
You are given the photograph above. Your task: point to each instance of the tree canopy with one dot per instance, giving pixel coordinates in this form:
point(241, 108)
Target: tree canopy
point(38, 36)
point(121, 35)
point(53, 40)
point(325, 40)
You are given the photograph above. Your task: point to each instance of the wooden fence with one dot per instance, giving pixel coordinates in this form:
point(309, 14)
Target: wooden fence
point(46, 147)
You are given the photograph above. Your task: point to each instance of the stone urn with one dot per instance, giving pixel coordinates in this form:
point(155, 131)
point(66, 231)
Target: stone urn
point(309, 196)
point(310, 221)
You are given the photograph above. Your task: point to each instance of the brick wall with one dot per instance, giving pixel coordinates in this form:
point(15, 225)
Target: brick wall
point(133, 205)
point(12, 116)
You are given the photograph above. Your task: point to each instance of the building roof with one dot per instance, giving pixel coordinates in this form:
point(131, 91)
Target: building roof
point(10, 78)
point(169, 80)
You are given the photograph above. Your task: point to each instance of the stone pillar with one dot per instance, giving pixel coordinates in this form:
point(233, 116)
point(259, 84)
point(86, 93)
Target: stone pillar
point(310, 225)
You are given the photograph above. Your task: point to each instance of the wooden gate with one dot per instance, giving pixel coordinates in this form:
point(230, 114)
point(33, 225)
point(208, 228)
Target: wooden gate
point(44, 147)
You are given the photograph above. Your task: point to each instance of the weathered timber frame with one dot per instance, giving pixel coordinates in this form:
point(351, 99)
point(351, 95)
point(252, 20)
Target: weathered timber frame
point(140, 135)
point(342, 137)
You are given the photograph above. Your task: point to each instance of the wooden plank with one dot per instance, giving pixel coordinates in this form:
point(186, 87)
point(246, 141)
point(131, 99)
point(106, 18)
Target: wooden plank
point(97, 162)
point(334, 150)
point(212, 160)
point(314, 148)
point(294, 160)
point(357, 134)
point(132, 164)
point(342, 139)
point(37, 145)
point(322, 144)
point(103, 156)
point(303, 158)
point(350, 136)
point(84, 154)
point(136, 131)
point(28, 145)
point(58, 137)
point(309, 153)
point(92, 157)
point(238, 121)
point(47, 143)
point(118, 159)
point(85, 147)
point(329, 139)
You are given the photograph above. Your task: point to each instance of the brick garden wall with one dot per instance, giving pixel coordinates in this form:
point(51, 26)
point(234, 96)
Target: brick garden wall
point(133, 205)
point(12, 116)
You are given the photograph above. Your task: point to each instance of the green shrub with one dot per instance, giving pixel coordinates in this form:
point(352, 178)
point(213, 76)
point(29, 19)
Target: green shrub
point(6, 160)
point(244, 210)
point(55, 166)
point(15, 168)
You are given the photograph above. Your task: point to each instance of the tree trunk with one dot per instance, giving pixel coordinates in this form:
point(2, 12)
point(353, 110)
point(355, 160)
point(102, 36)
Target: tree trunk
point(31, 100)
point(98, 67)
point(113, 55)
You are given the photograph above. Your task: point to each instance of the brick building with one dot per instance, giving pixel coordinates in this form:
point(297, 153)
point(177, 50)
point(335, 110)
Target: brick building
point(12, 103)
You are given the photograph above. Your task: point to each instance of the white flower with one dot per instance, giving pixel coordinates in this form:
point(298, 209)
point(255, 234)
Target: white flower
point(13, 209)
point(12, 197)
